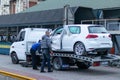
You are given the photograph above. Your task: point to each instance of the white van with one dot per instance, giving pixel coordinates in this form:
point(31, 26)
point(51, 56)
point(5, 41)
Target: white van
point(25, 39)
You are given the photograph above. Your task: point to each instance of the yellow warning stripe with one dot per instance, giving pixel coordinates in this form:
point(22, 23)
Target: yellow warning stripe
point(4, 46)
point(15, 76)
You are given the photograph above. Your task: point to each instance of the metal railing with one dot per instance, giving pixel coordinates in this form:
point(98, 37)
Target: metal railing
point(11, 76)
point(112, 25)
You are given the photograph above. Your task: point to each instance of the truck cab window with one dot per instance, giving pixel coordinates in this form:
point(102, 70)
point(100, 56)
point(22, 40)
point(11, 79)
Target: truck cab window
point(21, 36)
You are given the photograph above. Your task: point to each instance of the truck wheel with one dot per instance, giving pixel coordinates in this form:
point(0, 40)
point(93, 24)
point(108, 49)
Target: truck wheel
point(82, 65)
point(79, 49)
point(14, 58)
point(57, 63)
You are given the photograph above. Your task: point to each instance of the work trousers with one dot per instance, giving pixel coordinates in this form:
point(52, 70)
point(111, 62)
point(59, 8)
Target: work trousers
point(46, 58)
point(34, 58)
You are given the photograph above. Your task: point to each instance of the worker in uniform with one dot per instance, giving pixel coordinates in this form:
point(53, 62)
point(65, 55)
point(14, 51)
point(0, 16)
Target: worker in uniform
point(34, 48)
point(46, 50)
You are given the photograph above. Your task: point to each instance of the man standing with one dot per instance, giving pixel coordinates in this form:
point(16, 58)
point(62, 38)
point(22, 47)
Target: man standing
point(34, 48)
point(46, 50)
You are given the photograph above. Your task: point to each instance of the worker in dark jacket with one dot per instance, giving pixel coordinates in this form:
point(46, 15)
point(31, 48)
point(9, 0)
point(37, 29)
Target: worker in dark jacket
point(46, 50)
point(34, 48)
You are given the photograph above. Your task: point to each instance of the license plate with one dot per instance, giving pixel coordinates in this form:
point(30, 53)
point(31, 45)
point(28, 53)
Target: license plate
point(104, 63)
point(105, 44)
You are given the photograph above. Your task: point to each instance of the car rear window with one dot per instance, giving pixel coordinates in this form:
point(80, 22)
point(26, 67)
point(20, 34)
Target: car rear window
point(97, 29)
point(74, 29)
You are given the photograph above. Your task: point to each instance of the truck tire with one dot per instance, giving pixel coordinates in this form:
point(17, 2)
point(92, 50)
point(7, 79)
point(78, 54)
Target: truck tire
point(57, 63)
point(82, 65)
point(79, 48)
point(14, 58)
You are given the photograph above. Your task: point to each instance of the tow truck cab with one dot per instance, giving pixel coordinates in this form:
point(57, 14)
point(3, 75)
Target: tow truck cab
point(25, 39)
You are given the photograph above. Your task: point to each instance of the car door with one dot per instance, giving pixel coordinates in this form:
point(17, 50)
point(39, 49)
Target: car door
point(19, 46)
point(56, 39)
point(69, 37)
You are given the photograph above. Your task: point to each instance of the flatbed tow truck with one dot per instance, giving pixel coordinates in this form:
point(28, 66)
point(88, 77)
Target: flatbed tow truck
point(64, 60)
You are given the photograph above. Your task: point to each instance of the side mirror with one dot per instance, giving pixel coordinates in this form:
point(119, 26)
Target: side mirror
point(16, 39)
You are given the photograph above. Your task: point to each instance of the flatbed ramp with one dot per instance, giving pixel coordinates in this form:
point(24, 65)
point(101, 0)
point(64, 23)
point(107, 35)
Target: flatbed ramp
point(110, 58)
point(65, 59)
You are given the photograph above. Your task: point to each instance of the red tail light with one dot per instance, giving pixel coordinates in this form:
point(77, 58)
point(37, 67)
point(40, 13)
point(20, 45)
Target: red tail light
point(96, 64)
point(91, 36)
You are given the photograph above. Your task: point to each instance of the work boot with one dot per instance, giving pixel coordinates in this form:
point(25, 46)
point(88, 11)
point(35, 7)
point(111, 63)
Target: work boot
point(35, 69)
point(50, 71)
point(42, 71)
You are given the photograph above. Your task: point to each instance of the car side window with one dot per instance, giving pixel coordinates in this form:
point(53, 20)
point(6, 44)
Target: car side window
point(21, 36)
point(74, 29)
point(58, 31)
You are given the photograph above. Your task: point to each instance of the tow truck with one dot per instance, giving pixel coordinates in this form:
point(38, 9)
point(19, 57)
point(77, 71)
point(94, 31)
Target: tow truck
point(64, 58)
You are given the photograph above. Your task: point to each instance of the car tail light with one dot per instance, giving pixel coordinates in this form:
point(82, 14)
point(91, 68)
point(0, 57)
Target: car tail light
point(91, 36)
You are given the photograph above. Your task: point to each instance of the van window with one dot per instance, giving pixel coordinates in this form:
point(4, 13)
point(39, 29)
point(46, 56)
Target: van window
point(21, 36)
point(97, 29)
point(74, 29)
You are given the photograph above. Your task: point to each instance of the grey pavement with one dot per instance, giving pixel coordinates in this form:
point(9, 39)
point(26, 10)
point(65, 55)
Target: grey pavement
point(93, 73)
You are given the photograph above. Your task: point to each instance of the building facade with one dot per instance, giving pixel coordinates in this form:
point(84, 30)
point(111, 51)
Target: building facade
point(4, 7)
point(15, 6)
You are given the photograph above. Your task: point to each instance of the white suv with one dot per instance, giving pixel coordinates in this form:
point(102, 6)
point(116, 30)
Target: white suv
point(81, 39)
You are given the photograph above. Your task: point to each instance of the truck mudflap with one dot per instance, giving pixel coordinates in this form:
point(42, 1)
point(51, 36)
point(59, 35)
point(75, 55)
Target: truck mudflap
point(94, 60)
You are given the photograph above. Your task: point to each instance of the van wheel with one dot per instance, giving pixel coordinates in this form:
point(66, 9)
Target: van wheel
point(14, 58)
point(79, 49)
point(82, 65)
point(57, 63)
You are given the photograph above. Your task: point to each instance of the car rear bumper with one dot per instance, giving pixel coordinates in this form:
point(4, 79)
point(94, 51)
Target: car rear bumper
point(100, 49)
point(98, 46)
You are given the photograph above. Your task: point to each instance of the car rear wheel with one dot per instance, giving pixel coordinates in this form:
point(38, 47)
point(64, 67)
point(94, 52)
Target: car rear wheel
point(79, 49)
point(14, 58)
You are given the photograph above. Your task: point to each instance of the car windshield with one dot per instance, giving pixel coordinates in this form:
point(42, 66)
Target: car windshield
point(97, 29)
point(74, 29)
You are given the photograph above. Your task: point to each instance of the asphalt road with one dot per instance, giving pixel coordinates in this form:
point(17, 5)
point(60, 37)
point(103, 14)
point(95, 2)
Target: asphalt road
point(93, 73)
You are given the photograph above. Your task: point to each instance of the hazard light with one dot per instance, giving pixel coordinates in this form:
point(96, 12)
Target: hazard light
point(12, 46)
point(96, 64)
